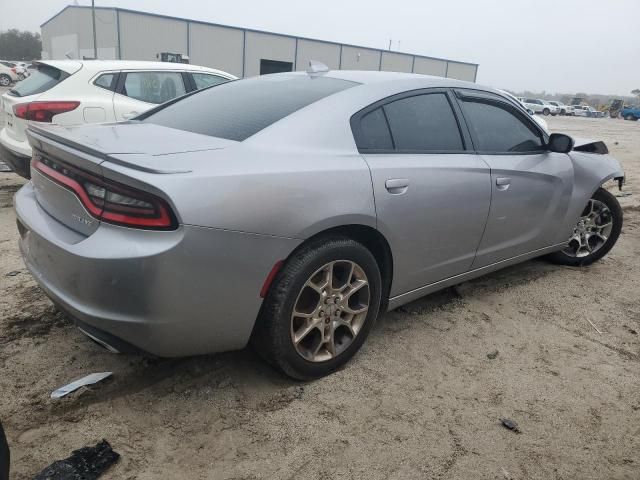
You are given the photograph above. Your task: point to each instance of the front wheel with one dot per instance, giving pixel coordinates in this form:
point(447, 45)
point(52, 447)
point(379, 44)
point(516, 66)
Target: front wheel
point(596, 232)
point(5, 80)
point(320, 308)
point(546, 112)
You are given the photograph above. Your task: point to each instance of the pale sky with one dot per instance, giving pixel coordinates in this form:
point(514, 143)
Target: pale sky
point(552, 45)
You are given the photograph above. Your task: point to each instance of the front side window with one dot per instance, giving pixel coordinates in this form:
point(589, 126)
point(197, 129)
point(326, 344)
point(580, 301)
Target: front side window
point(497, 128)
point(425, 123)
point(204, 80)
point(154, 87)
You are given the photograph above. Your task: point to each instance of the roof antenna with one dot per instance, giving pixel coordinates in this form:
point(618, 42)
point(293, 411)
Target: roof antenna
point(316, 67)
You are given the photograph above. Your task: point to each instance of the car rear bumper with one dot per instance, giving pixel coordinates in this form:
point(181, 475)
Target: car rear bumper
point(185, 292)
point(15, 154)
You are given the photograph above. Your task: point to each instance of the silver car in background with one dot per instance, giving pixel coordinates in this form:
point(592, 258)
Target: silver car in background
point(291, 209)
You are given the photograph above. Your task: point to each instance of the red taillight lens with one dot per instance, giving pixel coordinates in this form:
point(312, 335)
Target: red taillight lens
point(13, 69)
point(43, 111)
point(109, 201)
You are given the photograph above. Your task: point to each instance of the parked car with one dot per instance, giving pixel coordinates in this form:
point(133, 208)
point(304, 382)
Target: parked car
point(540, 106)
point(72, 92)
point(630, 113)
point(293, 208)
point(562, 108)
point(19, 69)
point(8, 75)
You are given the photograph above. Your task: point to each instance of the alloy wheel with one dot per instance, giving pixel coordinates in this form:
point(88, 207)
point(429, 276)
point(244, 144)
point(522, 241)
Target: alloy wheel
point(330, 310)
point(592, 230)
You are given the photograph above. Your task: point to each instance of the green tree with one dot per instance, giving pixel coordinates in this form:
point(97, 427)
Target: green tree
point(20, 45)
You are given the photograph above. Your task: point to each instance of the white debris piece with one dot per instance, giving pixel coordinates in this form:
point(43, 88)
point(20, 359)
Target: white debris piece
point(73, 386)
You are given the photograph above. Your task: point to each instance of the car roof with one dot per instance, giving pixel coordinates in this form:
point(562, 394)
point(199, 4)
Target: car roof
point(94, 66)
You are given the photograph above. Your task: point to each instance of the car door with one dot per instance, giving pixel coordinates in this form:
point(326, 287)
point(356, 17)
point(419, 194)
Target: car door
point(531, 186)
point(139, 91)
point(432, 193)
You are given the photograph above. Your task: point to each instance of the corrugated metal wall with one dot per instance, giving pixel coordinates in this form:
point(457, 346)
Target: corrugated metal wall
point(78, 21)
point(217, 47)
point(144, 36)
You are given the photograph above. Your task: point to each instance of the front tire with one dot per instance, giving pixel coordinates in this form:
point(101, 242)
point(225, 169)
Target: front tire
point(546, 112)
point(596, 232)
point(320, 308)
point(5, 80)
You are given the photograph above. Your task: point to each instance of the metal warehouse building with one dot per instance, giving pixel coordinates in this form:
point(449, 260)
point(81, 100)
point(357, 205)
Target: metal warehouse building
point(131, 35)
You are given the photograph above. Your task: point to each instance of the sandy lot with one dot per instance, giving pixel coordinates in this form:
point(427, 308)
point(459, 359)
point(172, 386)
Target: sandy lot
point(421, 400)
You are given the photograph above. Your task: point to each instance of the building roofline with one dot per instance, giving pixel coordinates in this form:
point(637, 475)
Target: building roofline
point(213, 24)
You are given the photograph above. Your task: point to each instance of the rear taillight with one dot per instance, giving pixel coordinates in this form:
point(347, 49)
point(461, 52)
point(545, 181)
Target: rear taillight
point(43, 111)
point(13, 69)
point(109, 201)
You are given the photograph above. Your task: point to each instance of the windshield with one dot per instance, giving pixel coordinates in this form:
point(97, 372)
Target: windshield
point(239, 109)
point(44, 78)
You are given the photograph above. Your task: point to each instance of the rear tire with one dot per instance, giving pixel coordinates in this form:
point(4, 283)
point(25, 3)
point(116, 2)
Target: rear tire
point(328, 333)
point(5, 80)
point(612, 212)
point(546, 112)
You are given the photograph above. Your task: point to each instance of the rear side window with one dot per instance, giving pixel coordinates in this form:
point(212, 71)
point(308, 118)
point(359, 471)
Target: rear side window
point(43, 79)
point(106, 81)
point(204, 80)
point(237, 110)
point(496, 128)
point(154, 87)
point(373, 132)
point(424, 123)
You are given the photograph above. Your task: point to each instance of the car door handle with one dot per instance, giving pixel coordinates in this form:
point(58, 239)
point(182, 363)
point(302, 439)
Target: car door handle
point(396, 186)
point(129, 115)
point(503, 183)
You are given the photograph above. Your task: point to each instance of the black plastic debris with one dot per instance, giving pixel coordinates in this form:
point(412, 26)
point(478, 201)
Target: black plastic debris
point(510, 424)
point(13, 273)
point(4, 456)
point(87, 463)
point(492, 355)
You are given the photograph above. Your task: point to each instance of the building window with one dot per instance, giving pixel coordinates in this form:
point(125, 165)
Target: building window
point(274, 66)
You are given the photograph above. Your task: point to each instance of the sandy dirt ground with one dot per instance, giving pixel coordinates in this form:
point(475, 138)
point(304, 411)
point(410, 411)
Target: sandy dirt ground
point(421, 400)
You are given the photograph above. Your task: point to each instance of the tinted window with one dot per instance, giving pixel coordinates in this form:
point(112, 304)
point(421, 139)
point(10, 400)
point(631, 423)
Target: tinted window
point(105, 81)
point(497, 128)
point(204, 80)
point(373, 132)
point(424, 122)
point(236, 110)
point(154, 87)
point(43, 79)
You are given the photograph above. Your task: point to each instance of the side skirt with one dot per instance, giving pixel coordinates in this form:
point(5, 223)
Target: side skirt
point(404, 298)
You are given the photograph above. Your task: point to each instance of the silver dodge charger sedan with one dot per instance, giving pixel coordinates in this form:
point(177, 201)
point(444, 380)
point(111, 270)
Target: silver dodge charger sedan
point(291, 209)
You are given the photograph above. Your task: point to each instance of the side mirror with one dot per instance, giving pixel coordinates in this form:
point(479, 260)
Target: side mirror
point(560, 143)
point(530, 112)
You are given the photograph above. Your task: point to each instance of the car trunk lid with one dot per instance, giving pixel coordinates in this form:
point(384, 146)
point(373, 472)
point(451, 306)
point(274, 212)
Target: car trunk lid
point(79, 153)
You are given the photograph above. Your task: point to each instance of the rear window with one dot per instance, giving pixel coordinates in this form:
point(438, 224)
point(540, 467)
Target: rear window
point(43, 79)
point(239, 109)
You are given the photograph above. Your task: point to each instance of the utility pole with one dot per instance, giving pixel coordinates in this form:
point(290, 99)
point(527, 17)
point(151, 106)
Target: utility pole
point(93, 19)
point(390, 40)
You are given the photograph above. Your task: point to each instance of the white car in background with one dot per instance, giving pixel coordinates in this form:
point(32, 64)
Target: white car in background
point(540, 121)
point(72, 92)
point(8, 75)
point(563, 109)
point(540, 106)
